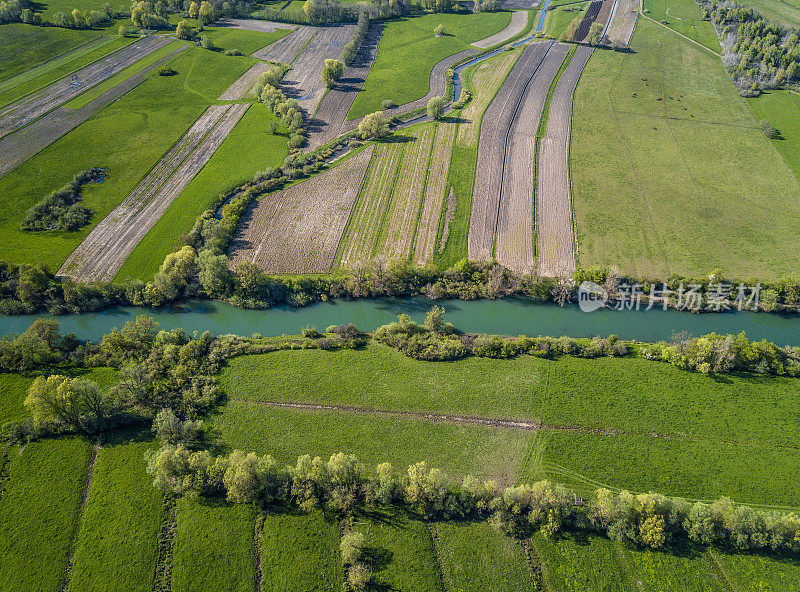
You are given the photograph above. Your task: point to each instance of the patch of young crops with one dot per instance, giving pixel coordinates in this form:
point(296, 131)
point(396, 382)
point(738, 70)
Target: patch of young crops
point(300, 553)
point(214, 547)
point(117, 544)
point(38, 513)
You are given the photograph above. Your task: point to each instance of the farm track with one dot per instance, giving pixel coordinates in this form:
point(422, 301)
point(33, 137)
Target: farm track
point(555, 239)
point(25, 143)
point(32, 107)
point(363, 231)
point(515, 219)
point(298, 229)
point(404, 207)
point(84, 498)
point(487, 79)
point(162, 581)
point(623, 22)
point(304, 81)
point(243, 87)
point(496, 126)
point(329, 120)
point(253, 25)
point(286, 49)
point(104, 250)
point(519, 19)
point(433, 198)
point(258, 531)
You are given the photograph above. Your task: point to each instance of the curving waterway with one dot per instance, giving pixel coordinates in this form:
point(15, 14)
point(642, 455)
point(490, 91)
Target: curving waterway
point(510, 316)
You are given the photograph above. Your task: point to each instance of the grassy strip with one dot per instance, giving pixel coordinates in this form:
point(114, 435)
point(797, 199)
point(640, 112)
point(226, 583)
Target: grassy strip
point(686, 568)
point(572, 563)
point(38, 513)
point(781, 109)
point(300, 553)
point(754, 571)
point(558, 19)
point(84, 98)
point(549, 98)
point(213, 547)
point(117, 544)
point(684, 17)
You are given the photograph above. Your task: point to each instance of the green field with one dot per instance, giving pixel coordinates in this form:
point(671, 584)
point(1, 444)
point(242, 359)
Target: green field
point(684, 17)
point(247, 149)
point(782, 109)
point(751, 571)
point(574, 563)
point(247, 42)
point(38, 513)
point(128, 137)
point(409, 50)
point(300, 553)
point(214, 547)
point(557, 20)
point(117, 547)
point(786, 12)
point(670, 172)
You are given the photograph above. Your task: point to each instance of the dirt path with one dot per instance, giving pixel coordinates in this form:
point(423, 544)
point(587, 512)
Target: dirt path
point(104, 250)
point(297, 230)
point(623, 22)
point(329, 121)
point(254, 25)
point(27, 142)
point(243, 87)
point(519, 19)
point(34, 106)
point(555, 239)
point(515, 220)
point(495, 129)
point(285, 49)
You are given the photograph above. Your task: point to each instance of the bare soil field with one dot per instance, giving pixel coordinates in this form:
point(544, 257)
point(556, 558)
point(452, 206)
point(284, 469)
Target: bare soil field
point(404, 208)
point(304, 81)
point(556, 256)
point(285, 49)
point(591, 14)
point(519, 18)
point(363, 231)
point(25, 143)
point(34, 106)
point(253, 25)
point(297, 230)
point(494, 133)
point(623, 22)
point(487, 78)
point(328, 122)
point(104, 250)
point(515, 222)
point(244, 84)
point(433, 200)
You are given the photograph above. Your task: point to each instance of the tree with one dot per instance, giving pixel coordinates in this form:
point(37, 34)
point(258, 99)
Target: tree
point(214, 275)
point(595, 33)
point(351, 546)
point(77, 403)
point(206, 13)
point(332, 72)
point(436, 108)
point(374, 125)
point(194, 10)
point(205, 42)
point(439, 30)
point(184, 30)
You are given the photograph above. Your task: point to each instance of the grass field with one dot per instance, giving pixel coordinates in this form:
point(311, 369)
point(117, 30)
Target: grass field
point(684, 17)
point(128, 137)
point(579, 563)
point(786, 12)
point(214, 547)
point(300, 553)
point(245, 41)
point(670, 172)
point(686, 568)
point(247, 149)
point(760, 572)
point(400, 553)
point(409, 50)
point(38, 513)
point(475, 556)
point(117, 547)
point(556, 20)
point(26, 46)
point(782, 109)
point(24, 83)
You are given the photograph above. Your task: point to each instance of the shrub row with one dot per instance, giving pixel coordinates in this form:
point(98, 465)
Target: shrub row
point(61, 209)
point(350, 50)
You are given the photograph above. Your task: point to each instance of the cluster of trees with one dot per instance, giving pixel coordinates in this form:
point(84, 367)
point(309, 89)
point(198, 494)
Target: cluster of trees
point(486, 6)
point(267, 90)
point(341, 484)
point(24, 11)
point(322, 12)
point(357, 574)
point(374, 125)
point(332, 72)
point(438, 5)
point(61, 210)
point(759, 53)
point(435, 108)
point(350, 50)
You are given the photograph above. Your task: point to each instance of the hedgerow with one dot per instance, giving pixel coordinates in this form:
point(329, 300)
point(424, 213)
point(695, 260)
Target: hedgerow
point(61, 210)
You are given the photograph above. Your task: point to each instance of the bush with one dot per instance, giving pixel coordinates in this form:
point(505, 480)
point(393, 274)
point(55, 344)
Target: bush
point(233, 52)
point(205, 42)
point(439, 30)
point(61, 209)
point(435, 108)
point(387, 104)
point(167, 72)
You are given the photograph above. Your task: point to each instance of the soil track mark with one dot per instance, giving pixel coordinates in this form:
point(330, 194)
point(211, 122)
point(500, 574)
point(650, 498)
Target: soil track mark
point(84, 497)
point(166, 544)
point(519, 19)
point(555, 239)
point(27, 142)
point(298, 230)
point(257, 535)
point(254, 25)
point(622, 24)
point(34, 106)
point(515, 219)
point(104, 250)
point(285, 49)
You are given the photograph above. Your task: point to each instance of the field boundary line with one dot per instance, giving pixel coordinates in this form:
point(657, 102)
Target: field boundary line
point(162, 576)
point(535, 566)
point(719, 571)
point(343, 240)
point(437, 555)
point(412, 251)
point(697, 43)
point(258, 530)
point(5, 476)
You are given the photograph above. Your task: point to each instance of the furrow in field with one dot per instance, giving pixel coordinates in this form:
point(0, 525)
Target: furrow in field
point(298, 229)
point(285, 49)
point(243, 86)
point(623, 22)
point(428, 226)
point(34, 106)
point(25, 143)
point(515, 221)
point(253, 25)
point(555, 241)
point(363, 231)
point(404, 207)
point(519, 18)
point(487, 78)
point(495, 128)
point(104, 250)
